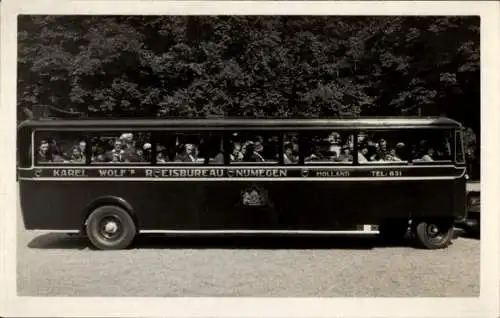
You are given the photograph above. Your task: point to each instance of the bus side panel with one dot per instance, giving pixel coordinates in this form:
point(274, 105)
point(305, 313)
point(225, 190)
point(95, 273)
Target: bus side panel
point(319, 205)
point(59, 205)
point(327, 205)
point(193, 205)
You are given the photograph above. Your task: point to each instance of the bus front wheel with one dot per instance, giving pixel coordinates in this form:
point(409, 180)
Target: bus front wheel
point(433, 234)
point(110, 227)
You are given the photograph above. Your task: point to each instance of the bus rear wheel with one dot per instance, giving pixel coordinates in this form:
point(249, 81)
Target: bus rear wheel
point(433, 234)
point(110, 227)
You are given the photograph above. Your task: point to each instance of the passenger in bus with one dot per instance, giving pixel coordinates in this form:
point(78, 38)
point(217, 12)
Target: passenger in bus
point(333, 140)
point(77, 156)
point(316, 155)
point(116, 158)
point(250, 155)
point(160, 158)
point(147, 152)
point(236, 155)
point(346, 155)
point(392, 155)
point(331, 155)
point(129, 149)
point(116, 154)
point(56, 153)
point(288, 156)
point(381, 152)
point(82, 145)
point(259, 147)
point(188, 155)
point(43, 155)
point(429, 156)
point(99, 155)
point(362, 153)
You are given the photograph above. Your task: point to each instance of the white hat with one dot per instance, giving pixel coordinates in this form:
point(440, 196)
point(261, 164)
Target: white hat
point(147, 146)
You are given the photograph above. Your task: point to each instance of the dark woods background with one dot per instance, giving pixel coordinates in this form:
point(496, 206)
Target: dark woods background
point(261, 66)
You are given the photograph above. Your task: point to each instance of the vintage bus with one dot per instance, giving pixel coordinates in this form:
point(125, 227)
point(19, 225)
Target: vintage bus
point(111, 179)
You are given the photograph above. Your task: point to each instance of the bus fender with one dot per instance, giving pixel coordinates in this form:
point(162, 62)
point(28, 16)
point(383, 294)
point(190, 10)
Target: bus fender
point(108, 200)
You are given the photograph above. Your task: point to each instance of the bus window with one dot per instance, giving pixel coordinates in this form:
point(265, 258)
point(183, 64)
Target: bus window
point(254, 147)
point(432, 145)
point(383, 147)
point(328, 147)
point(184, 148)
point(291, 148)
point(121, 148)
point(59, 148)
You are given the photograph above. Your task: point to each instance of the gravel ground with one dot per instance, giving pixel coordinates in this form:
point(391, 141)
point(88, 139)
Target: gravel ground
point(348, 266)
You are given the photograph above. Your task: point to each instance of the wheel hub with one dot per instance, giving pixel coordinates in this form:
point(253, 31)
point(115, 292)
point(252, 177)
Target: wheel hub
point(434, 231)
point(111, 227)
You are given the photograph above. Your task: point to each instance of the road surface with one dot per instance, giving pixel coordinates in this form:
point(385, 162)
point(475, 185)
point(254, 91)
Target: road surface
point(55, 265)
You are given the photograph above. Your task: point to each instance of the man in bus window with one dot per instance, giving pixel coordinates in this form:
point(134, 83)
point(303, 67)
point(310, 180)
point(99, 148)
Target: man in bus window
point(82, 145)
point(188, 155)
point(129, 150)
point(116, 154)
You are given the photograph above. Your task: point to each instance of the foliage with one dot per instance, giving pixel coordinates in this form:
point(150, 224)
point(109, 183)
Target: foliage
point(278, 66)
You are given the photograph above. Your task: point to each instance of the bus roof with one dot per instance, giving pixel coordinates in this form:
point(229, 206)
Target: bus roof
point(243, 123)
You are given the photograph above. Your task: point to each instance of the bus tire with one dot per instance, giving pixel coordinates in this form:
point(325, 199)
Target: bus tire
point(110, 227)
point(433, 235)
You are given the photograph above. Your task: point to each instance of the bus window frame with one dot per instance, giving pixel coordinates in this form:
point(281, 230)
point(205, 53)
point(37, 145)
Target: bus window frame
point(106, 133)
point(155, 140)
point(25, 154)
point(34, 150)
point(229, 134)
point(303, 144)
point(377, 163)
point(451, 161)
point(459, 138)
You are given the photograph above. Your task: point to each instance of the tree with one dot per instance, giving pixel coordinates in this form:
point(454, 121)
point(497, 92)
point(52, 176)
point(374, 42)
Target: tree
point(278, 66)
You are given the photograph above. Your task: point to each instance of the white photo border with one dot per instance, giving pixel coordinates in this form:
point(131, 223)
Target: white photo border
point(484, 306)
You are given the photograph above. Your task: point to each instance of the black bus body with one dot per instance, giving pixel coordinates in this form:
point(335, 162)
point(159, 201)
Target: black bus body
point(112, 202)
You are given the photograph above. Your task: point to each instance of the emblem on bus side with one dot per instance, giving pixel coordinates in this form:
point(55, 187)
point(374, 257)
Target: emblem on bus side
point(254, 196)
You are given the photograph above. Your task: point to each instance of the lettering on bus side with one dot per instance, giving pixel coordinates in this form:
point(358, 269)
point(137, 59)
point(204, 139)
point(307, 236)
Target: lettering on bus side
point(269, 173)
point(332, 173)
point(183, 173)
point(116, 172)
point(69, 173)
point(386, 173)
